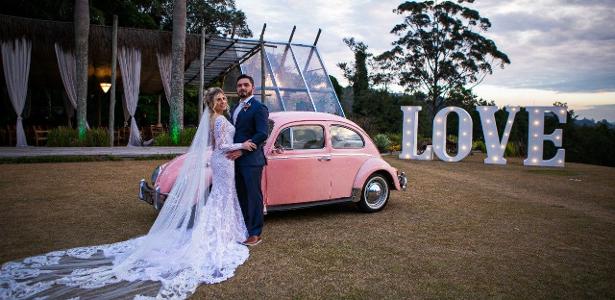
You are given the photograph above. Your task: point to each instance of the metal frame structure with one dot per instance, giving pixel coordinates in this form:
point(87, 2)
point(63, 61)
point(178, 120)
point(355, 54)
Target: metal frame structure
point(250, 66)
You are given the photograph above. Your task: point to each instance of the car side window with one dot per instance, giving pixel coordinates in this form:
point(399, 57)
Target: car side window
point(345, 138)
point(301, 137)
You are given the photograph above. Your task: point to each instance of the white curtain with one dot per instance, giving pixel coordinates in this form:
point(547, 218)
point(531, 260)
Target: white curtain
point(164, 65)
point(67, 65)
point(16, 57)
point(130, 66)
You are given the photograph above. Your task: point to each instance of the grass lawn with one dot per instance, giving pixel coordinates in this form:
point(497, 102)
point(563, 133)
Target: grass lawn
point(461, 230)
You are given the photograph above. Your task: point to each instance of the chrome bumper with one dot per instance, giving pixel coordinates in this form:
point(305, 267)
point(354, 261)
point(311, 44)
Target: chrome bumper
point(150, 195)
point(403, 180)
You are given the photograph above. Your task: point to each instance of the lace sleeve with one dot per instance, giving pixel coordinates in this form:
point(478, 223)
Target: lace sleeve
point(221, 136)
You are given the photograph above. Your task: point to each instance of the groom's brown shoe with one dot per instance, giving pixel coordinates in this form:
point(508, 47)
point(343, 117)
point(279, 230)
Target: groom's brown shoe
point(252, 240)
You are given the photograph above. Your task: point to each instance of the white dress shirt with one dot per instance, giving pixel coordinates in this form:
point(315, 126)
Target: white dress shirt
point(239, 108)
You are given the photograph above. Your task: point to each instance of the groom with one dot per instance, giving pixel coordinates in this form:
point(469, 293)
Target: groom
point(250, 119)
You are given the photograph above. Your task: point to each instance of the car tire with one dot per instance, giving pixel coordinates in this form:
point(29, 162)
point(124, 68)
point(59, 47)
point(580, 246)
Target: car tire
point(375, 194)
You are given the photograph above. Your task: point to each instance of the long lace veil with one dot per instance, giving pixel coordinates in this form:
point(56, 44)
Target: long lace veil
point(167, 262)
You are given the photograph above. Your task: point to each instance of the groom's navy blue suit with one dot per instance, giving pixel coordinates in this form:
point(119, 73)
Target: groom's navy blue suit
point(251, 124)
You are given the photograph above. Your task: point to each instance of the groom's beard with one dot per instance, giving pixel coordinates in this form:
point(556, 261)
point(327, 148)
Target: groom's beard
point(243, 94)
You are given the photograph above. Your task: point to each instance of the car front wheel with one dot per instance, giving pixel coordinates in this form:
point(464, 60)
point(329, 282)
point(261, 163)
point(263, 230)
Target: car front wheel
point(375, 194)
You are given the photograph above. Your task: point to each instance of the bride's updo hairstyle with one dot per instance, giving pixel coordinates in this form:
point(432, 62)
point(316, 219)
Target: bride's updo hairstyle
point(210, 96)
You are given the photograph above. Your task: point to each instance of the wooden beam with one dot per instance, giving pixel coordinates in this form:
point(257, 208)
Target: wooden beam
point(113, 75)
point(262, 41)
point(202, 74)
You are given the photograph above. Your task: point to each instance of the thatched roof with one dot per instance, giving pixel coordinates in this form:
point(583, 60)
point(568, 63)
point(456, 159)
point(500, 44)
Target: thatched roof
point(221, 53)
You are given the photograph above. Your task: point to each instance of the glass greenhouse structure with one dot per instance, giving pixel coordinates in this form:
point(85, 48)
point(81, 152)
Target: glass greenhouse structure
point(295, 79)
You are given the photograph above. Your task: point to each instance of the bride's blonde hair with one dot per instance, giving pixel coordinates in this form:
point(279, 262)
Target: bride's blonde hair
point(210, 96)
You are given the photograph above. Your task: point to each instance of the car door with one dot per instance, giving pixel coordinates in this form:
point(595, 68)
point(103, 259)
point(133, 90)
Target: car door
point(347, 155)
point(297, 170)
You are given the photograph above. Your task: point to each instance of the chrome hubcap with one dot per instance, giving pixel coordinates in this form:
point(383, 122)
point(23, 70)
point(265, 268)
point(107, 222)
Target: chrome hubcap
point(376, 192)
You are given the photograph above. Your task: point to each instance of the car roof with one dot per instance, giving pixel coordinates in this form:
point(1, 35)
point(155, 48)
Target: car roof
point(292, 116)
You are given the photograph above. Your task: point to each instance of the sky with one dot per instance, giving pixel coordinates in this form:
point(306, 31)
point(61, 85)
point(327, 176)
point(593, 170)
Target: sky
point(560, 50)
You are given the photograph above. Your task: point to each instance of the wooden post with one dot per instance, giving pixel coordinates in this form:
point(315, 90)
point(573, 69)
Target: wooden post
point(263, 94)
point(113, 74)
point(202, 74)
point(159, 124)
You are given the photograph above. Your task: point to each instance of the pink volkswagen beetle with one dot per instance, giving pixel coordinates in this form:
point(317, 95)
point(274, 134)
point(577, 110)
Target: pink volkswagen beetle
point(312, 159)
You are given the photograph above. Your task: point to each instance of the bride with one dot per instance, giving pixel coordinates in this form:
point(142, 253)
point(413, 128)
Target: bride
point(195, 239)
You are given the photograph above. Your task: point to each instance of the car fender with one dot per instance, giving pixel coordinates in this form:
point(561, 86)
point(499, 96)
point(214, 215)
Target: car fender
point(169, 172)
point(371, 166)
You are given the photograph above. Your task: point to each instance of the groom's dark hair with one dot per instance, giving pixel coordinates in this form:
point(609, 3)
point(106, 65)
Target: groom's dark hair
point(242, 76)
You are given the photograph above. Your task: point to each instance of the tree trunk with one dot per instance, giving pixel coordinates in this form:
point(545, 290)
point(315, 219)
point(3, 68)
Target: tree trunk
point(177, 69)
point(202, 74)
point(82, 30)
point(113, 74)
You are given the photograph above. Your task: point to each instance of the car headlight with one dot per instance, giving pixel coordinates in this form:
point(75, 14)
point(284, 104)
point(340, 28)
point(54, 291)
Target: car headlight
point(155, 175)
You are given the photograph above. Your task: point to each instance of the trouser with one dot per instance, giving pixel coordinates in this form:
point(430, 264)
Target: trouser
point(248, 182)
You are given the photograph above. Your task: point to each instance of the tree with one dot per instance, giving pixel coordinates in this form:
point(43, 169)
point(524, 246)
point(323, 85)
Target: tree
point(82, 30)
point(357, 75)
point(440, 48)
point(178, 49)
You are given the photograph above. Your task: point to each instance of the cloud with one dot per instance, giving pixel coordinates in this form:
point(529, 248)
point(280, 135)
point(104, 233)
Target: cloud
point(598, 113)
point(565, 46)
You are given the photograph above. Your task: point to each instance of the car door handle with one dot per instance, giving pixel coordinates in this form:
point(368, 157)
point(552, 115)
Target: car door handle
point(324, 158)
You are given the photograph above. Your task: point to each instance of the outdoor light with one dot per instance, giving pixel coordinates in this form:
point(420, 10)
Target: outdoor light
point(495, 155)
point(409, 140)
point(440, 134)
point(537, 137)
point(105, 86)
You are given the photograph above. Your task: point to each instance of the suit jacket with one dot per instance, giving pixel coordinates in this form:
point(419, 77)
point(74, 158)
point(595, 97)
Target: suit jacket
point(251, 124)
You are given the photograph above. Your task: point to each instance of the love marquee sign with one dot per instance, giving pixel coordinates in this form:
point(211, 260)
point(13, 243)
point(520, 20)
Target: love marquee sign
point(494, 143)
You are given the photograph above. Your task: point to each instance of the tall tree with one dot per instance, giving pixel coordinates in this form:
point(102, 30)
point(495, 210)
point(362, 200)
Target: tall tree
point(178, 49)
point(440, 48)
point(357, 75)
point(82, 30)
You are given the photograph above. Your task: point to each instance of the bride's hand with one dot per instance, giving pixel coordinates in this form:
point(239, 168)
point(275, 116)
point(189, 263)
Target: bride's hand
point(248, 145)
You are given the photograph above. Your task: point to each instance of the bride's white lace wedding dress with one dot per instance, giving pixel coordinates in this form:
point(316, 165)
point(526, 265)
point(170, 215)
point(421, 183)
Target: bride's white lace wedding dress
point(195, 239)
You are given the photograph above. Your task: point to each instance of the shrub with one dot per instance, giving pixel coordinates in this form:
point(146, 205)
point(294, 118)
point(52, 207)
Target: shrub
point(382, 142)
point(69, 137)
point(512, 150)
point(395, 138)
point(479, 145)
point(395, 147)
point(163, 139)
point(62, 137)
point(185, 138)
point(96, 137)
